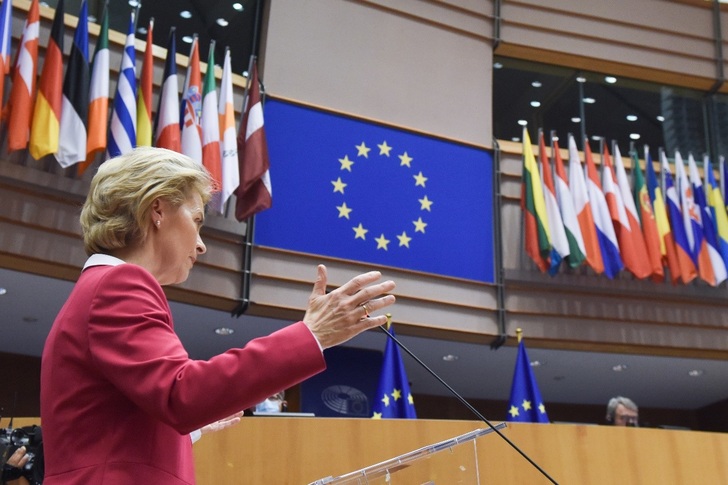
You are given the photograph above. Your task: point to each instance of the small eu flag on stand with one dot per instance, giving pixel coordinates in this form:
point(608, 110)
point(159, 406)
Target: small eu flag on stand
point(393, 399)
point(526, 405)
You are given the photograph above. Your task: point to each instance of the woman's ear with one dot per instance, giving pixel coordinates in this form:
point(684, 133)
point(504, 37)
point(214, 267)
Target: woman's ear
point(157, 212)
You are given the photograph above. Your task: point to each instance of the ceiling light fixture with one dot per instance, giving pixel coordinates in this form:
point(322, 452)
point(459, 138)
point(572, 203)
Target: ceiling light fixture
point(522, 122)
point(590, 100)
point(224, 331)
point(497, 65)
point(238, 6)
point(610, 79)
point(660, 118)
point(537, 363)
point(634, 136)
point(185, 14)
point(187, 39)
point(222, 22)
point(631, 117)
point(3, 290)
point(576, 119)
point(695, 373)
point(536, 84)
point(133, 3)
point(619, 367)
point(535, 104)
point(450, 358)
point(581, 79)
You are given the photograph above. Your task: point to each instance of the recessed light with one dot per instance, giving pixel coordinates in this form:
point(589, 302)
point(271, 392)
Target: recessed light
point(537, 363)
point(497, 65)
point(185, 14)
point(92, 18)
point(536, 84)
point(619, 367)
point(224, 331)
point(522, 122)
point(142, 30)
point(222, 22)
point(133, 3)
point(695, 373)
point(581, 79)
point(535, 104)
point(631, 117)
point(610, 79)
point(634, 136)
point(3, 290)
point(516, 139)
point(590, 100)
point(576, 119)
point(660, 118)
point(450, 358)
point(597, 137)
point(238, 6)
point(187, 39)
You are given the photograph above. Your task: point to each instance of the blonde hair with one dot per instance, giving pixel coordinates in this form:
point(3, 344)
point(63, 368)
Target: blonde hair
point(115, 214)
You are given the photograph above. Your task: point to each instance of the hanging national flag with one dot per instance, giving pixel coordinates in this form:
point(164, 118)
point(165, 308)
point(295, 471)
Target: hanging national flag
point(557, 234)
point(626, 224)
point(646, 218)
point(394, 398)
point(122, 129)
point(533, 204)
point(21, 94)
point(228, 139)
point(166, 125)
point(583, 208)
point(667, 241)
point(577, 251)
point(711, 267)
point(688, 209)
point(6, 17)
point(210, 123)
point(45, 129)
point(716, 206)
point(191, 106)
point(98, 106)
point(688, 271)
point(525, 404)
point(145, 136)
point(74, 112)
point(254, 193)
point(602, 219)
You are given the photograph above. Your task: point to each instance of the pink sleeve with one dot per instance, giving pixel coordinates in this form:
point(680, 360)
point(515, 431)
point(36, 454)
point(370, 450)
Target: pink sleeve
point(132, 341)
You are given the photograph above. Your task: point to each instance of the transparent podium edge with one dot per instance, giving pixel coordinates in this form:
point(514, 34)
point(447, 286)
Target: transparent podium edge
point(402, 461)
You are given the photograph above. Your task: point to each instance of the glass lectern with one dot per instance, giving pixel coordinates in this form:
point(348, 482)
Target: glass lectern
point(453, 461)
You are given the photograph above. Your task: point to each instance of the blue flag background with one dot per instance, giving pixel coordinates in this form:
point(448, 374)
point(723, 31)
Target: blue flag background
point(526, 404)
point(360, 191)
point(393, 398)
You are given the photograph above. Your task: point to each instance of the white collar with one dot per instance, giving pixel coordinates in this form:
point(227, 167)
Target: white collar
point(102, 260)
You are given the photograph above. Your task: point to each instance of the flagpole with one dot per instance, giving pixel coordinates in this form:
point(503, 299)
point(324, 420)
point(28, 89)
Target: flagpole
point(466, 403)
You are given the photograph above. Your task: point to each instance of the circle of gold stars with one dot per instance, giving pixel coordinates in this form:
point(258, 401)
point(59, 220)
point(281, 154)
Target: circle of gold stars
point(360, 231)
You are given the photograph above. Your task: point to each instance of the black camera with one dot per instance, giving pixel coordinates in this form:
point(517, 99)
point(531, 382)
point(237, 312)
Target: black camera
point(12, 439)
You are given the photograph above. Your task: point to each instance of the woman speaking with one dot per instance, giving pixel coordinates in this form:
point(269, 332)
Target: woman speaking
point(119, 394)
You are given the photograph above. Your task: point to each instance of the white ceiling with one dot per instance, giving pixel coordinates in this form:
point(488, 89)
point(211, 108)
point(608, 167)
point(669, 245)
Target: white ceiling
point(478, 373)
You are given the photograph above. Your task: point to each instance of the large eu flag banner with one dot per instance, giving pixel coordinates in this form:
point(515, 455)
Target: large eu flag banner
point(361, 191)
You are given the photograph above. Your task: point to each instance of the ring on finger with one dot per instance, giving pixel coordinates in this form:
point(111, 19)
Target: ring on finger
point(366, 310)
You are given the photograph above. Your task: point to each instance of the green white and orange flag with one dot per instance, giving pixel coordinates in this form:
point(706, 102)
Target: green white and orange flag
point(144, 94)
point(98, 107)
point(45, 128)
point(228, 138)
point(647, 219)
point(210, 123)
point(536, 228)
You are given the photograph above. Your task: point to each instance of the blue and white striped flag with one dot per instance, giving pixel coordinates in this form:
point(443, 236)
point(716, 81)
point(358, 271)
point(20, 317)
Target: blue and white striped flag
point(122, 129)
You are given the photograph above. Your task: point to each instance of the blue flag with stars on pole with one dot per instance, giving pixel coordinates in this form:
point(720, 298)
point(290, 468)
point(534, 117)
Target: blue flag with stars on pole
point(526, 404)
point(394, 398)
point(361, 191)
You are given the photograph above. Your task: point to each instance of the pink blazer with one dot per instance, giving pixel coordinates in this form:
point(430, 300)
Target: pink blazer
point(119, 394)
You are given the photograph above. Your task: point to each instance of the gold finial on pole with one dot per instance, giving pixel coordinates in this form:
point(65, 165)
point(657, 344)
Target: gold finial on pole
point(389, 320)
point(519, 334)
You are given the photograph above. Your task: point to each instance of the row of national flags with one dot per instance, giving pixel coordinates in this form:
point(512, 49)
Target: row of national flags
point(74, 118)
point(674, 228)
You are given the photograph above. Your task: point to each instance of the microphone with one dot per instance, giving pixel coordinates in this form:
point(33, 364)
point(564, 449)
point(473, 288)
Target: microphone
point(467, 404)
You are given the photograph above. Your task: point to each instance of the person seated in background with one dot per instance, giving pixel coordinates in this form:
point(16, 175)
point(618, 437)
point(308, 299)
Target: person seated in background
point(274, 404)
point(622, 411)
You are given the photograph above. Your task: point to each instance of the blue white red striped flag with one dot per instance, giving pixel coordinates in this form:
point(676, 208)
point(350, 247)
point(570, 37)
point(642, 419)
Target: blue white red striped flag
point(122, 129)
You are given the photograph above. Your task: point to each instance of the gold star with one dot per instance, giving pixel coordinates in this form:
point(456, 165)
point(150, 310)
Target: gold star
point(542, 408)
point(420, 225)
point(338, 185)
point(513, 411)
point(410, 399)
point(385, 400)
point(405, 160)
point(344, 210)
point(420, 179)
point(425, 204)
point(363, 150)
point(404, 239)
point(526, 405)
point(360, 232)
point(384, 148)
point(382, 242)
point(346, 163)
point(396, 394)
point(377, 416)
